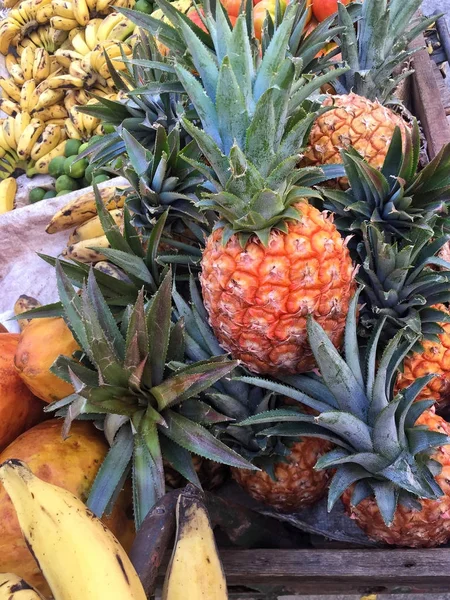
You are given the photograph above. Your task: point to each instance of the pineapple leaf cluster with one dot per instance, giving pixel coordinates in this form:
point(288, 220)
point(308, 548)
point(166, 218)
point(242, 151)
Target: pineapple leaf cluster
point(378, 47)
point(380, 449)
point(138, 375)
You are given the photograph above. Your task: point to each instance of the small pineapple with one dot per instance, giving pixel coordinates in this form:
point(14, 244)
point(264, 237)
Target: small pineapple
point(136, 376)
point(272, 258)
point(358, 116)
point(391, 455)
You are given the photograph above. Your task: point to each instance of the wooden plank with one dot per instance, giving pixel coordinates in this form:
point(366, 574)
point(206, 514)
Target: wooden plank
point(427, 100)
point(325, 572)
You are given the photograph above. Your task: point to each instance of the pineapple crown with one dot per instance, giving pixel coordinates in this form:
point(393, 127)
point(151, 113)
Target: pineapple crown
point(379, 46)
point(396, 198)
point(255, 120)
point(379, 447)
point(230, 397)
point(139, 377)
point(401, 284)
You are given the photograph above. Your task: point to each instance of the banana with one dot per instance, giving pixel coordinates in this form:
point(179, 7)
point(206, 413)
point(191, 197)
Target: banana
point(109, 22)
point(67, 57)
point(81, 12)
point(11, 90)
point(41, 65)
point(77, 70)
point(61, 123)
point(72, 131)
point(44, 13)
point(17, 74)
point(79, 44)
point(63, 23)
point(91, 5)
point(9, 107)
point(83, 208)
point(49, 97)
point(83, 251)
point(56, 111)
point(103, 5)
point(41, 165)
point(63, 9)
point(29, 137)
point(24, 304)
point(49, 139)
point(22, 120)
point(195, 570)
point(8, 189)
point(111, 270)
point(9, 132)
point(10, 60)
point(93, 228)
point(122, 30)
point(26, 93)
point(4, 144)
point(13, 587)
point(90, 33)
point(8, 31)
point(66, 561)
point(67, 82)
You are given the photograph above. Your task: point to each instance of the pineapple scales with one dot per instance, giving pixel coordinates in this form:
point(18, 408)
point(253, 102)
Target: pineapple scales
point(275, 260)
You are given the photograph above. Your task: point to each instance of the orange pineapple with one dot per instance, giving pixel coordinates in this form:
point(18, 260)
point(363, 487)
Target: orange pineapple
point(435, 358)
point(259, 295)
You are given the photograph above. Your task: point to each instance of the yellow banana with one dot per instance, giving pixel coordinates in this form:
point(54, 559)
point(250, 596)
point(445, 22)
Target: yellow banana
point(195, 570)
point(7, 33)
point(122, 30)
point(11, 90)
point(21, 121)
point(26, 62)
point(13, 587)
point(44, 13)
point(41, 65)
point(49, 97)
point(56, 111)
point(90, 33)
point(79, 44)
point(63, 23)
point(109, 22)
point(84, 208)
point(4, 144)
point(91, 5)
point(49, 139)
point(9, 132)
point(81, 12)
point(26, 93)
point(84, 252)
point(10, 60)
point(67, 82)
point(24, 304)
point(61, 550)
point(111, 270)
point(41, 165)
point(72, 131)
point(17, 74)
point(61, 123)
point(93, 228)
point(8, 189)
point(63, 9)
point(66, 57)
point(29, 137)
point(9, 107)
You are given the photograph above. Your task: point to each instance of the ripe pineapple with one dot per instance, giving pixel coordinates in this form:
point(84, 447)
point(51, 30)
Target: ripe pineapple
point(138, 377)
point(392, 454)
point(373, 53)
point(272, 258)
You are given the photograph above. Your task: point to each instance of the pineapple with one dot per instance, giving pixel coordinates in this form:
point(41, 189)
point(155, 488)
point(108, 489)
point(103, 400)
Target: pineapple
point(358, 115)
point(287, 480)
point(272, 258)
point(137, 377)
point(392, 454)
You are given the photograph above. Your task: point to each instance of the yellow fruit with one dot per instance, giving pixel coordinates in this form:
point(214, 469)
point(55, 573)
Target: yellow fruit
point(19, 408)
point(40, 344)
point(258, 298)
point(71, 464)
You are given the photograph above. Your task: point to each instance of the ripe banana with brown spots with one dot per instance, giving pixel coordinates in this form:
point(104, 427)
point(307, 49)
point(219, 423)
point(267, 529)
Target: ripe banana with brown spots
point(13, 587)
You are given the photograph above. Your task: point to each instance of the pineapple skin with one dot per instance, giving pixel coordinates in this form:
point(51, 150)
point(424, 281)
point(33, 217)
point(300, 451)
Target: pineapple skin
point(426, 528)
point(435, 358)
point(297, 483)
point(354, 121)
point(258, 298)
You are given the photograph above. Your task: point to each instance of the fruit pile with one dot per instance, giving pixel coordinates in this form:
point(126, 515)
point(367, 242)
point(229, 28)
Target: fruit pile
point(268, 296)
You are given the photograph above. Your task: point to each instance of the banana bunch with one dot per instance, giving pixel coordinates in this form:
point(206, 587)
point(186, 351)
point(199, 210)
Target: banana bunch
point(44, 36)
point(8, 189)
point(23, 18)
point(195, 570)
point(13, 587)
point(78, 555)
point(71, 14)
point(80, 126)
